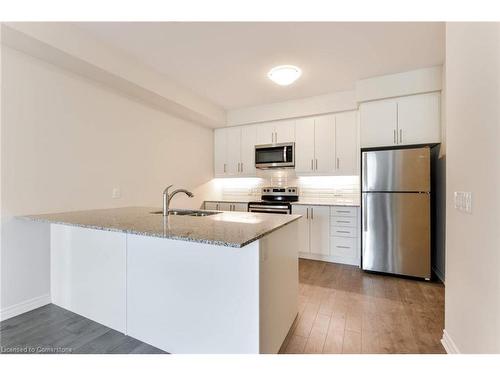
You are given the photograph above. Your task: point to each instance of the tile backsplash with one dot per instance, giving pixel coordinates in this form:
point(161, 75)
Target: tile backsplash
point(314, 188)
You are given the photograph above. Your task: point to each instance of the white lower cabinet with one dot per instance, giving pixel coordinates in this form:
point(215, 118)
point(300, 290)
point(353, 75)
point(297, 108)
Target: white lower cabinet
point(345, 243)
point(226, 206)
point(329, 233)
point(314, 227)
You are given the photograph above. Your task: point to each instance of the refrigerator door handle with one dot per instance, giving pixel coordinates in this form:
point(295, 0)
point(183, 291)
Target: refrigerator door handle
point(364, 167)
point(364, 213)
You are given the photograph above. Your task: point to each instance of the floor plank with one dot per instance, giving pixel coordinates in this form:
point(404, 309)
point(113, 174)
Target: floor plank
point(52, 329)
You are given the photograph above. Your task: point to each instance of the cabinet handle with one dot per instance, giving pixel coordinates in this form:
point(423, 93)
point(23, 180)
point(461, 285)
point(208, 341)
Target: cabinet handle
point(316, 164)
point(400, 135)
point(312, 165)
point(343, 247)
point(338, 163)
point(307, 213)
point(241, 167)
point(394, 133)
point(224, 167)
point(217, 206)
point(343, 231)
point(312, 213)
point(276, 137)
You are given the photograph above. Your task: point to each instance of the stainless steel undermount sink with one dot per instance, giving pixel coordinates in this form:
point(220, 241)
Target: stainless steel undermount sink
point(188, 213)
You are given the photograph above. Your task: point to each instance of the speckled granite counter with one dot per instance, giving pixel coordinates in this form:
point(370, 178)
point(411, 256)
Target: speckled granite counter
point(233, 229)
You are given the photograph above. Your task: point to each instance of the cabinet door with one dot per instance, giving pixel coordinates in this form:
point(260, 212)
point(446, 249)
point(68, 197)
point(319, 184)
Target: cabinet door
point(303, 227)
point(346, 144)
point(378, 123)
point(211, 206)
point(241, 207)
point(265, 133)
point(220, 152)
point(419, 119)
point(224, 206)
point(304, 146)
point(248, 142)
point(320, 230)
point(324, 144)
point(284, 131)
point(233, 151)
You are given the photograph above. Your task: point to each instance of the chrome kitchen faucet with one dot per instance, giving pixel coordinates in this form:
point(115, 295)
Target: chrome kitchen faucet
point(168, 197)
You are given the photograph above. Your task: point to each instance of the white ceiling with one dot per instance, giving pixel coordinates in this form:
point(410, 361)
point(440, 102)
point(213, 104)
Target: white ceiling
point(228, 62)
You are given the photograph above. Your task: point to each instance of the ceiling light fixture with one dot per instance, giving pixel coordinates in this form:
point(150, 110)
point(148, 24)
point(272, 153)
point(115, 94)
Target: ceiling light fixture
point(284, 75)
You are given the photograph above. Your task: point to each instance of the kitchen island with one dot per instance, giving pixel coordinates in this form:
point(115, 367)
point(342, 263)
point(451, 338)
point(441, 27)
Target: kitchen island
point(223, 283)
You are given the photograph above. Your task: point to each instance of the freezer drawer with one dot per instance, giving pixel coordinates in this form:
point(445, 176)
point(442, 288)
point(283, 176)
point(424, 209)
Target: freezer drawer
point(396, 233)
point(396, 170)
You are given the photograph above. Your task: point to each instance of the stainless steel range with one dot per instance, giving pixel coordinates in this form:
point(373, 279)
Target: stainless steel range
point(275, 200)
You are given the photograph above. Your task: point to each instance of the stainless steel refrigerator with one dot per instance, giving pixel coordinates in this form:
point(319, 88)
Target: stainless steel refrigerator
point(396, 210)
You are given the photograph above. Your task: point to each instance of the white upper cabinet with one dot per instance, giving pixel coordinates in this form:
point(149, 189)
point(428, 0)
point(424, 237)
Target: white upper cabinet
point(378, 123)
point(220, 152)
point(304, 145)
point(285, 131)
point(315, 145)
point(234, 151)
point(407, 120)
point(265, 133)
point(419, 119)
point(346, 144)
point(248, 142)
point(324, 144)
point(327, 145)
point(276, 132)
point(233, 146)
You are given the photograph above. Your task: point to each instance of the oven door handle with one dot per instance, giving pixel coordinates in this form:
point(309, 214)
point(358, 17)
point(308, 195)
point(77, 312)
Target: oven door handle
point(269, 207)
point(269, 210)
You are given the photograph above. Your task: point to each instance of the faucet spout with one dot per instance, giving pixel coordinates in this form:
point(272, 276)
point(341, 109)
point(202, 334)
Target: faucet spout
point(168, 197)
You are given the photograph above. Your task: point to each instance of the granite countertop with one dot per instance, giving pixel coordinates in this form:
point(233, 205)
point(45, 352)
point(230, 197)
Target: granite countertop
point(232, 229)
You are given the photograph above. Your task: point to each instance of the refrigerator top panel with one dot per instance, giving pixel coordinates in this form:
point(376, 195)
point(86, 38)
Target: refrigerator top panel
point(404, 170)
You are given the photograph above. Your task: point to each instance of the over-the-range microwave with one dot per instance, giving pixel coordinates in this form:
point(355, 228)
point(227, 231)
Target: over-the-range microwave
point(277, 155)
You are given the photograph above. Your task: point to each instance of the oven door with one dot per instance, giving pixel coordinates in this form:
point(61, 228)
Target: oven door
point(269, 209)
point(281, 155)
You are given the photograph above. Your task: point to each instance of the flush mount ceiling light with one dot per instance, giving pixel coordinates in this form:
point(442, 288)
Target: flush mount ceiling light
point(284, 75)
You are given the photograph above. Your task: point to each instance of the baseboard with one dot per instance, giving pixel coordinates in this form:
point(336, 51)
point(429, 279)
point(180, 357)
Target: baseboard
point(329, 258)
point(439, 274)
point(449, 344)
point(25, 306)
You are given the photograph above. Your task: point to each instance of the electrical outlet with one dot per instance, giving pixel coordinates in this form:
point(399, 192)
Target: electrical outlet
point(116, 194)
point(463, 201)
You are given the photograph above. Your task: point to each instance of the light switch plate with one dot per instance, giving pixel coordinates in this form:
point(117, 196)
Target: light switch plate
point(463, 201)
point(116, 194)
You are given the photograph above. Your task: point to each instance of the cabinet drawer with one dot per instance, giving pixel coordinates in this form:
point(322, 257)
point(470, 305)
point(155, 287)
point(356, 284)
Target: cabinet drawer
point(344, 231)
point(343, 221)
point(343, 246)
point(343, 211)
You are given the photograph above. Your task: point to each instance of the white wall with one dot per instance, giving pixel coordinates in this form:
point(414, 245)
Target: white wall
point(66, 142)
point(472, 309)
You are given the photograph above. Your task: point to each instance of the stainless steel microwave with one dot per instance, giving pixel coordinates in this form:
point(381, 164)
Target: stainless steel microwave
point(278, 155)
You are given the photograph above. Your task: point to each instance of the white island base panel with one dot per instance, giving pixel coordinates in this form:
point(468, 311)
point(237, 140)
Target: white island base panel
point(180, 296)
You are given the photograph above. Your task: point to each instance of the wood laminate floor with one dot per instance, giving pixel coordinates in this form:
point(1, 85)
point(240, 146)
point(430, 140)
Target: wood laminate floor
point(53, 330)
point(345, 310)
point(341, 310)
